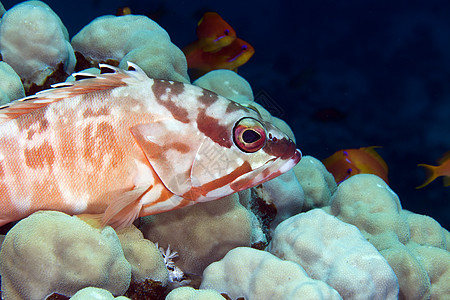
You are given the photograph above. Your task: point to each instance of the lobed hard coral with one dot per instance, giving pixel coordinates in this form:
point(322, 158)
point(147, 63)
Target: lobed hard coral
point(228, 84)
point(95, 293)
point(412, 244)
point(255, 274)
point(11, 87)
point(51, 252)
point(143, 256)
point(35, 43)
point(204, 233)
point(336, 253)
point(134, 38)
point(284, 193)
point(317, 183)
point(189, 293)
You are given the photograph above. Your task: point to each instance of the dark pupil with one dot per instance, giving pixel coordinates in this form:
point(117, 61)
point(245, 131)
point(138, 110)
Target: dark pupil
point(244, 47)
point(250, 136)
point(227, 31)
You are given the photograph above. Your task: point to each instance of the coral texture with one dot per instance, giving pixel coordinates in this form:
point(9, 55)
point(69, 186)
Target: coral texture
point(336, 253)
point(95, 293)
point(203, 233)
point(51, 252)
point(11, 87)
point(144, 257)
point(318, 184)
point(411, 243)
point(33, 41)
point(254, 274)
point(188, 293)
point(132, 38)
point(228, 84)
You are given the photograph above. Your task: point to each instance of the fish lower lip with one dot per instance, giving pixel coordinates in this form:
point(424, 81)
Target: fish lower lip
point(297, 156)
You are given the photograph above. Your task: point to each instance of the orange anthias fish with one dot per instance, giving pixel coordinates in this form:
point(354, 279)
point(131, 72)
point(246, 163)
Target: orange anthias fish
point(119, 145)
point(213, 33)
point(432, 172)
point(230, 57)
point(217, 47)
point(346, 163)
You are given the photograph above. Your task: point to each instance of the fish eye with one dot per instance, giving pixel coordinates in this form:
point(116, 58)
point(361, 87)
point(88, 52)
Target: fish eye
point(244, 47)
point(249, 135)
point(226, 32)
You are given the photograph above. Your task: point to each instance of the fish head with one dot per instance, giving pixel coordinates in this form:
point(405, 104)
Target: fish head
point(233, 56)
point(252, 151)
point(214, 32)
point(223, 148)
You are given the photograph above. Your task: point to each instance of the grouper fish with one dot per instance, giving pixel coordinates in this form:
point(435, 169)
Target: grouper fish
point(120, 145)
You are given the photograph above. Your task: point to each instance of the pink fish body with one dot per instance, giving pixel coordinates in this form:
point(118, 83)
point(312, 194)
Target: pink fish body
point(120, 145)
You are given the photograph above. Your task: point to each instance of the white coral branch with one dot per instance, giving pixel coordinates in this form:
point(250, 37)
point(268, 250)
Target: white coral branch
point(175, 273)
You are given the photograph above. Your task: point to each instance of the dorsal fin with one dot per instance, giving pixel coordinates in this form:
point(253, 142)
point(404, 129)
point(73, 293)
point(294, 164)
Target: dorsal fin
point(376, 156)
point(110, 77)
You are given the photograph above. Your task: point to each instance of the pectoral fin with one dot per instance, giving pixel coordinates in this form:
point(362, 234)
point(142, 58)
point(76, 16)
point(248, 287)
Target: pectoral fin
point(170, 147)
point(123, 211)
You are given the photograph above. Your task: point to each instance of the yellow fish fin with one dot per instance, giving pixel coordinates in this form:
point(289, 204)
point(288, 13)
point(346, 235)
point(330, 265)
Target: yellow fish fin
point(123, 211)
point(430, 173)
point(376, 156)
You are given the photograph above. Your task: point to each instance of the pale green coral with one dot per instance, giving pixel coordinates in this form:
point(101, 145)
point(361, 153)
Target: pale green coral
point(204, 232)
point(317, 183)
point(144, 257)
point(254, 274)
point(415, 246)
point(284, 192)
point(228, 84)
point(133, 38)
point(50, 252)
point(33, 41)
point(95, 293)
point(189, 293)
point(336, 253)
point(11, 87)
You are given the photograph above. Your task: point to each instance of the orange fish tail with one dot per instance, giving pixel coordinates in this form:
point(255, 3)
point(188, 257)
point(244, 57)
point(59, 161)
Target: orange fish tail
point(430, 173)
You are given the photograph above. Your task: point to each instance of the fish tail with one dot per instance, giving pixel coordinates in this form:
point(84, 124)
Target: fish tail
point(430, 173)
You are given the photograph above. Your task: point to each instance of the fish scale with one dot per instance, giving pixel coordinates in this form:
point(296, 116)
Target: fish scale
point(120, 145)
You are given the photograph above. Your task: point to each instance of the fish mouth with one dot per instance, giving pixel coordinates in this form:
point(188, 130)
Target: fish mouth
point(277, 166)
point(297, 156)
point(285, 164)
point(289, 163)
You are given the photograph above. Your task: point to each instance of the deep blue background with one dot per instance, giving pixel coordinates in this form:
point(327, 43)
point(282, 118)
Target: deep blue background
point(382, 66)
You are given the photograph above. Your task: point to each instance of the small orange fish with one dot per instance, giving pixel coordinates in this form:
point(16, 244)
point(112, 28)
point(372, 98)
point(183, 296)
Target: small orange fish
point(432, 172)
point(346, 163)
point(123, 11)
point(230, 57)
point(214, 33)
